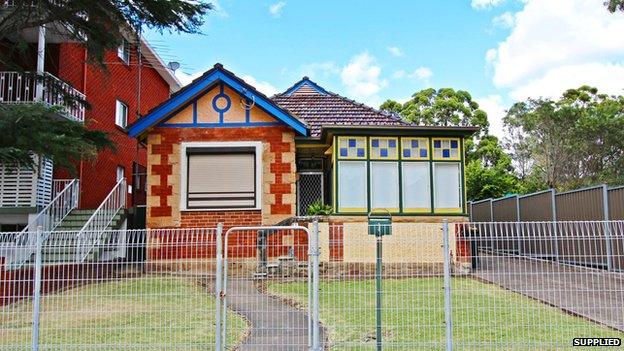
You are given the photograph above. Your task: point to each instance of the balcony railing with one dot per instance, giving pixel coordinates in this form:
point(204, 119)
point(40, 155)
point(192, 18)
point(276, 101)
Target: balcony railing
point(18, 87)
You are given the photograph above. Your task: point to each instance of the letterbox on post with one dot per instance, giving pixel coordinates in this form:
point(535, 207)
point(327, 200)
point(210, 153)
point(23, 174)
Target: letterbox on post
point(379, 224)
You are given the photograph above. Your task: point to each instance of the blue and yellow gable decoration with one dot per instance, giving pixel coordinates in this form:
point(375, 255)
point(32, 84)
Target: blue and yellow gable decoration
point(220, 106)
point(218, 99)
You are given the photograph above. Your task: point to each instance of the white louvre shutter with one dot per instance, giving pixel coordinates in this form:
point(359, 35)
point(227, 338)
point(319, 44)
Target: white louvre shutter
point(221, 181)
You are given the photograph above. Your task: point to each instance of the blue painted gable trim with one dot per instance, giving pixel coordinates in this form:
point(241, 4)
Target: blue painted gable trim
point(201, 84)
point(306, 81)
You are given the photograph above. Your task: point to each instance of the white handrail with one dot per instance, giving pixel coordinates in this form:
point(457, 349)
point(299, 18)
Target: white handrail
point(91, 233)
point(20, 87)
point(48, 219)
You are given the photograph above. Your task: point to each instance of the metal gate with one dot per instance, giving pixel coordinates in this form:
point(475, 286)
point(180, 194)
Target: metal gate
point(253, 266)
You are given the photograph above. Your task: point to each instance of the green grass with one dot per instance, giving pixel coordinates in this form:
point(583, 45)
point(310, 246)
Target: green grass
point(150, 313)
point(413, 315)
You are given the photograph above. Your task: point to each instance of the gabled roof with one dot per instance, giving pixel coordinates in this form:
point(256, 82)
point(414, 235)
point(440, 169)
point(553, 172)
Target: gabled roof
point(318, 107)
point(199, 85)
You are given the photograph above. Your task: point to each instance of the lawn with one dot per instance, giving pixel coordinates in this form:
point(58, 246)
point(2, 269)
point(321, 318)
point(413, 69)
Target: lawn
point(484, 316)
point(150, 313)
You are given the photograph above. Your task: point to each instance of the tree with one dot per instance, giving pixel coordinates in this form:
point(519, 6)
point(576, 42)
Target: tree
point(489, 173)
point(615, 5)
point(488, 168)
point(570, 142)
point(38, 129)
point(443, 107)
point(99, 26)
point(391, 106)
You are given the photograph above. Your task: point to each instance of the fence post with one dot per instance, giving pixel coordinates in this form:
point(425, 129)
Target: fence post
point(553, 200)
point(447, 287)
point(491, 210)
point(607, 227)
point(37, 290)
point(315, 287)
point(219, 287)
point(518, 226)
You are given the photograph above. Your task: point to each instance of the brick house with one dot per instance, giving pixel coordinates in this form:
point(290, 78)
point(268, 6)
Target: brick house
point(221, 151)
point(127, 87)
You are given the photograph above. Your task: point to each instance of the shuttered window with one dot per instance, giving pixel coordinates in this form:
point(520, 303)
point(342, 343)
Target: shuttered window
point(221, 179)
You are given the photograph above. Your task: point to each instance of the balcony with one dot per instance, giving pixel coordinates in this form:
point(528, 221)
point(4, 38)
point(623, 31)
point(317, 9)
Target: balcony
point(21, 87)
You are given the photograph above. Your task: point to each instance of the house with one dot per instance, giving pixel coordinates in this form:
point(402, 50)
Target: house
point(221, 151)
point(129, 86)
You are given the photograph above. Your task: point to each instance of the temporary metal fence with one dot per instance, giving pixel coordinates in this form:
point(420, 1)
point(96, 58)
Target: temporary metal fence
point(419, 286)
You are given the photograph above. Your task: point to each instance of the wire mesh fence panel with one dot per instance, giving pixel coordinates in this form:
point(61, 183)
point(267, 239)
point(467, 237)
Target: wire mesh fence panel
point(135, 290)
point(267, 282)
point(555, 289)
point(491, 285)
point(401, 305)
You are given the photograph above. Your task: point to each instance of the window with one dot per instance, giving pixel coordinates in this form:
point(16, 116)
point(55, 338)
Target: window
point(446, 149)
point(121, 171)
point(123, 51)
point(416, 187)
point(447, 187)
point(352, 148)
point(383, 148)
point(414, 148)
point(352, 192)
point(384, 186)
point(221, 178)
point(409, 175)
point(121, 114)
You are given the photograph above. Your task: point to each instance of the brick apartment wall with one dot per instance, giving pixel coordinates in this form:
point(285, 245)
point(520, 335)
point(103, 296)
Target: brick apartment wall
point(278, 176)
point(120, 81)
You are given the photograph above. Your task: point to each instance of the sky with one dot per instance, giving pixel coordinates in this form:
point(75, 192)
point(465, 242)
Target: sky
point(500, 51)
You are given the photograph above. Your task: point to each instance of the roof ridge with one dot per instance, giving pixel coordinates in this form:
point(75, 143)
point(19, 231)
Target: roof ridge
point(301, 82)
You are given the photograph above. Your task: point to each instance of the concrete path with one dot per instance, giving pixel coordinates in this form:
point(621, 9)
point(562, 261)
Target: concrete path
point(594, 294)
point(274, 324)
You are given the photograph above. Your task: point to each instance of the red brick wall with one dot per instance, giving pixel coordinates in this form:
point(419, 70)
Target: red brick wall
point(228, 218)
point(120, 81)
point(164, 176)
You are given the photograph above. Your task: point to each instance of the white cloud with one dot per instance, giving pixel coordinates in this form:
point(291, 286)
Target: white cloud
point(485, 4)
point(264, 87)
point(559, 44)
point(218, 9)
point(504, 20)
point(319, 69)
point(276, 9)
point(493, 106)
point(422, 73)
point(362, 77)
point(398, 74)
point(186, 78)
point(395, 51)
point(607, 77)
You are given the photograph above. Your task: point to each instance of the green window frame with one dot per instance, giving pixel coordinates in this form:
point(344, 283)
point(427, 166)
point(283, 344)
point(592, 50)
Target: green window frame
point(403, 160)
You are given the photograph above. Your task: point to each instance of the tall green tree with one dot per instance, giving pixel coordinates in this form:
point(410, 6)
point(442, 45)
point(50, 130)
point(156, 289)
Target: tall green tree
point(99, 26)
point(36, 129)
point(615, 5)
point(488, 168)
point(442, 107)
point(573, 141)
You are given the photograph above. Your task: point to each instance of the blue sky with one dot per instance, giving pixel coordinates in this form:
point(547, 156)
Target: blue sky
point(500, 51)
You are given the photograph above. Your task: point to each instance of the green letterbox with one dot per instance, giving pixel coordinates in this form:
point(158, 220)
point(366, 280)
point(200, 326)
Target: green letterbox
point(379, 224)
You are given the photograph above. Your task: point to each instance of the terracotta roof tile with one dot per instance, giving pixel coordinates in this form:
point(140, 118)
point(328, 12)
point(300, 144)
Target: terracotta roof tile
point(326, 108)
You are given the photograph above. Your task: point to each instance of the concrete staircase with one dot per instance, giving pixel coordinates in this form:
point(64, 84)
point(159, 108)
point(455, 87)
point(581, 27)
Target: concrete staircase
point(61, 245)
